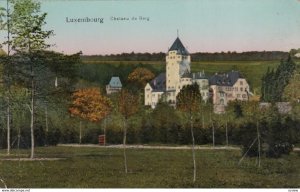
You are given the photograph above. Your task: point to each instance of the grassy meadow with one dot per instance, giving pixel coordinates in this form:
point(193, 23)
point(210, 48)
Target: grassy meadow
point(252, 70)
point(92, 167)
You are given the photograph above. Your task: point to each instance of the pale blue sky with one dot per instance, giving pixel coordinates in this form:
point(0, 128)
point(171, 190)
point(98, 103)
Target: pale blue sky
point(204, 25)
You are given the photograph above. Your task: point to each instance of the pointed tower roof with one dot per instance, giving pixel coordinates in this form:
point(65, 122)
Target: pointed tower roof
point(178, 46)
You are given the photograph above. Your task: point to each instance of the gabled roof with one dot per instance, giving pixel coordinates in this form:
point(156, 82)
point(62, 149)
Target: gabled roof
point(178, 46)
point(186, 74)
point(225, 79)
point(159, 82)
point(115, 82)
point(199, 75)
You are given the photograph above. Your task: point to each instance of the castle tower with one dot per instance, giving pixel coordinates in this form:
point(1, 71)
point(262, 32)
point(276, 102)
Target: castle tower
point(177, 63)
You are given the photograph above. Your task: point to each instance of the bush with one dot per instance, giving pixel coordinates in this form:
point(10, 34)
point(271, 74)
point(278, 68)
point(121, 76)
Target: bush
point(278, 149)
point(53, 136)
point(69, 135)
point(248, 133)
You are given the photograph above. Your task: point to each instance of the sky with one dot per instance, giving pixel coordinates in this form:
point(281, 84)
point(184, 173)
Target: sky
point(202, 25)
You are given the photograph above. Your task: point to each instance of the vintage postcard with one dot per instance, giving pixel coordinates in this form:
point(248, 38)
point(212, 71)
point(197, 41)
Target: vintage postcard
point(98, 94)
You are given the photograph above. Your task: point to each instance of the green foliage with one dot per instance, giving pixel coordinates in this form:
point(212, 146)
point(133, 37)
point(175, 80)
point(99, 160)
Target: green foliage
point(223, 56)
point(274, 82)
point(292, 90)
point(26, 26)
point(102, 73)
point(189, 99)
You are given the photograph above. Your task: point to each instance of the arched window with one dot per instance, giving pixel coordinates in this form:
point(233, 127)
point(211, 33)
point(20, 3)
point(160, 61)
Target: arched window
point(222, 101)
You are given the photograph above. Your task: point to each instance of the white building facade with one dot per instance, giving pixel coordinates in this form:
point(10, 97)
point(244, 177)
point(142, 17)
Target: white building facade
point(228, 87)
point(178, 74)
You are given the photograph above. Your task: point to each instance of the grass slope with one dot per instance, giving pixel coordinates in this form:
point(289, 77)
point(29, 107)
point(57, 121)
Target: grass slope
point(148, 168)
point(252, 70)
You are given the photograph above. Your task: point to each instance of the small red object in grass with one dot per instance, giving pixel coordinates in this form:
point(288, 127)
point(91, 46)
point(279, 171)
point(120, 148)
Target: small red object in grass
point(101, 140)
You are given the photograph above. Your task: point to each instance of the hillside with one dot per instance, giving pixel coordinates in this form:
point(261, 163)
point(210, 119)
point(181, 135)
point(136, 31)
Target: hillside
point(101, 71)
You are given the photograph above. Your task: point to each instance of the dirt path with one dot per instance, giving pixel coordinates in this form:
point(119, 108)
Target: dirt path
point(158, 147)
point(153, 147)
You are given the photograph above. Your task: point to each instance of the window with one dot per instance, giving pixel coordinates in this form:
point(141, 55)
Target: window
point(244, 96)
point(222, 101)
point(147, 95)
point(238, 95)
point(241, 89)
point(241, 82)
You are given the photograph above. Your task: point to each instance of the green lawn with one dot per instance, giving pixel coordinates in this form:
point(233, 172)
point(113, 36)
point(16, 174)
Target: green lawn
point(148, 168)
point(251, 70)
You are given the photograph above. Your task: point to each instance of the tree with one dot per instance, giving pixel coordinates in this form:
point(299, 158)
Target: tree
point(189, 101)
point(128, 105)
point(292, 90)
point(140, 77)
point(165, 121)
point(274, 82)
point(5, 13)
point(28, 37)
point(89, 104)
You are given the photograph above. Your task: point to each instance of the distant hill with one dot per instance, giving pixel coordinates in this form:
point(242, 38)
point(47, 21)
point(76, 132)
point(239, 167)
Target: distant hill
point(223, 56)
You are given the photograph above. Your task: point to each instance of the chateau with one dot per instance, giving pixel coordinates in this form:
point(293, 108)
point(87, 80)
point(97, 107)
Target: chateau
point(221, 87)
point(178, 74)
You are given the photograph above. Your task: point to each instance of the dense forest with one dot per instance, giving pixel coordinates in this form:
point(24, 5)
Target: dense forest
point(223, 56)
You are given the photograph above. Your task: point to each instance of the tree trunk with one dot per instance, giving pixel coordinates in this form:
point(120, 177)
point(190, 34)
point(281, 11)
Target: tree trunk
point(8, 77)
point(226, 134)
point(46, 120)
point(213, 134)
point(32, 119)
point(80, 124)
point(213, 131)
point(124, 144)
point(104, 131)
point(8, 126)
point(193, 149)
point(258, 141)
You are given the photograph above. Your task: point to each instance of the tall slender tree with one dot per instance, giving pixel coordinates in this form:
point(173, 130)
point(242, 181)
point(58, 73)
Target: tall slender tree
point(5, 24)
point(189, 101)
point(128, 105)
point(28, 38)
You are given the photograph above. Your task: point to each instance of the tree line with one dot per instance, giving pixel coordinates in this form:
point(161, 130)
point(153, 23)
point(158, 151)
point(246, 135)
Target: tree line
point(199, 56)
